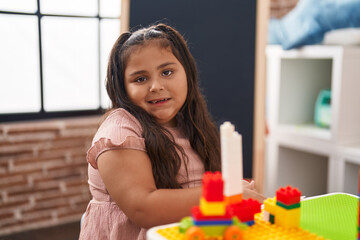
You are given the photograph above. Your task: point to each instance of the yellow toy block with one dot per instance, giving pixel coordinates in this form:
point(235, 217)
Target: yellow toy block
point(287, 218)
point(212, 208)
point(263, 230)
point(270, 205)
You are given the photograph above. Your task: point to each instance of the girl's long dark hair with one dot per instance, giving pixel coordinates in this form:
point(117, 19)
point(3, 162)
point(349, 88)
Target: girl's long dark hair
point(194, 117)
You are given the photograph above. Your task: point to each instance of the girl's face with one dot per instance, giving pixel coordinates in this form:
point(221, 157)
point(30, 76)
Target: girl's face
point(156, 81)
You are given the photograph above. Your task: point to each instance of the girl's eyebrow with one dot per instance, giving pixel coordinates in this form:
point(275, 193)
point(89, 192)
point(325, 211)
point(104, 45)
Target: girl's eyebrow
point(158, 67)
point(137, 73)
point(165, 64)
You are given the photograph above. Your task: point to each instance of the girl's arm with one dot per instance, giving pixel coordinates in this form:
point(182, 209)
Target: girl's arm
point(127, 175)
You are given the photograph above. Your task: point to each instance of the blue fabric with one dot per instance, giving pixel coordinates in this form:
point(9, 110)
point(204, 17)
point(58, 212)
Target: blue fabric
point(308, 22)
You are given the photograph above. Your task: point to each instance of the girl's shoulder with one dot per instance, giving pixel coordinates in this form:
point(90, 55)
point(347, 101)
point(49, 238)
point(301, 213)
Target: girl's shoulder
point(120, 129)
point(121, 118)
point(119, 124)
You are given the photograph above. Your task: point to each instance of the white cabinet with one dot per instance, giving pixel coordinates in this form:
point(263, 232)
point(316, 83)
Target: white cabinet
point(299, 153)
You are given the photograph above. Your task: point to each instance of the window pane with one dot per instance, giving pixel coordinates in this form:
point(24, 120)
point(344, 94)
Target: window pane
point(69, 7)
point(70, 63)
point(19, 64)
point(110, 8)
point(109, 32)
point(29, 6)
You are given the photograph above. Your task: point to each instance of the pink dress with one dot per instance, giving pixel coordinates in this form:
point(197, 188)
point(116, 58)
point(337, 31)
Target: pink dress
point(103, 218)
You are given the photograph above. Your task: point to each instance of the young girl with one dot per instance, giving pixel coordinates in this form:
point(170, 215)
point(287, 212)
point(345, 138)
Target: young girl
point(147, 158)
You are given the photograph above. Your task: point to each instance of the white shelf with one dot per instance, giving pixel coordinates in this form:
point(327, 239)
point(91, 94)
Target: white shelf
point(290, 164)
point(294, 80)
point(308, 130)
point(351, 174)
point(349, 156)
point(304, 170)
point(351, 152)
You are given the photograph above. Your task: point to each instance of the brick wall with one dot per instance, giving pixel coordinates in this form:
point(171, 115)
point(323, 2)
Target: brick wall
point(43, 172)
point(279, 8)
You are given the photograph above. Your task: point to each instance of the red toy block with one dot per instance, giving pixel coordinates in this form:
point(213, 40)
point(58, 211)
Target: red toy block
point(288, 195)
point(197, 215)
point(245, 210)
point(213, 187)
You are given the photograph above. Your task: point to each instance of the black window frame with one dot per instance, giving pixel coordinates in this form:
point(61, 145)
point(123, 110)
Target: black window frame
point(42, 114)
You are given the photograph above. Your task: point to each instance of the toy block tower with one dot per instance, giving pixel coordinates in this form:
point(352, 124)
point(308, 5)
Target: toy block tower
point(288, 207)
point(212, 215)
point(222, 211)
point(232, 172)
point(231, 163)
point(212, 201)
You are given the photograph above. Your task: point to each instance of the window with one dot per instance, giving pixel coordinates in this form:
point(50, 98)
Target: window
point(54, 56)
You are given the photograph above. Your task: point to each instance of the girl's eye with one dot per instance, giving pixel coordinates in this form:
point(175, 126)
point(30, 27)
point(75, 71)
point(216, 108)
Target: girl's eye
point(140, 79)
point(167, 73)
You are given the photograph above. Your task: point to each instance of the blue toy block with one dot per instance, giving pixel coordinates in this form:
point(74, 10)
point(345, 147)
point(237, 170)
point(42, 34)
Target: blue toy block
point(210, 222)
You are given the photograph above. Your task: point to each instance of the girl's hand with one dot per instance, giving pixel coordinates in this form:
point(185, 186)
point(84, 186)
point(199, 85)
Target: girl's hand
point(250, 192)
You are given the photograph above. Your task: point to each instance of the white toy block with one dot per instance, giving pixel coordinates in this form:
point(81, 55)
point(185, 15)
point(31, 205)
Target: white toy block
point(231, 159)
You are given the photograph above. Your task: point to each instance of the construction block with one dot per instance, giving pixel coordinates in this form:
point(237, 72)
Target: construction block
point(287, 218)
point(288, 195)
point(213, 187)
point(233, 199)
point(218, 230)
point(270, 205)
point(212, 208)
point(262, 230)
point(280, 204)
point(250, 223)
point(185, 224)
point(245, 210)
point(272, 219)
point(212, 222)
point(239, 224)
point(231, 159)
point(197, 215)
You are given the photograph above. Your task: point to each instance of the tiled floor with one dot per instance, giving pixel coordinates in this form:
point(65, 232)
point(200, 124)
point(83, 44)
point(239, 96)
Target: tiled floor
point(68, 231)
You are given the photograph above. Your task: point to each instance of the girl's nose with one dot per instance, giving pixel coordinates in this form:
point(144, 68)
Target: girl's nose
point(156, 85)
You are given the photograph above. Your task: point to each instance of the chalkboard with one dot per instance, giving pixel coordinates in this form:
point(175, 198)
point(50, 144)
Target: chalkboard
point(221, 37)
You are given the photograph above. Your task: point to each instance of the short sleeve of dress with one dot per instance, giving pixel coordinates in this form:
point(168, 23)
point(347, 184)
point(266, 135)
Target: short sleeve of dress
point(120, 130)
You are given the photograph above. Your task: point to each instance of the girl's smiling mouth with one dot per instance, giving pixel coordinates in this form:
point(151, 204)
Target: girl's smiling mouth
point(158, 101)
